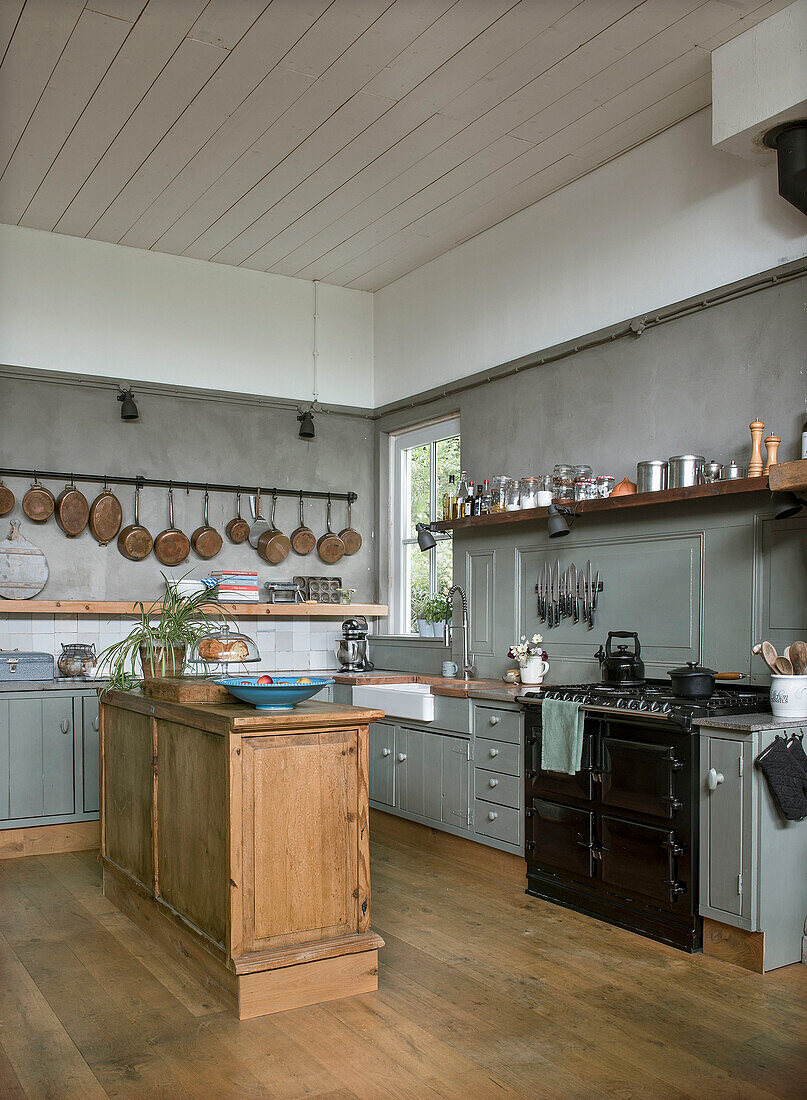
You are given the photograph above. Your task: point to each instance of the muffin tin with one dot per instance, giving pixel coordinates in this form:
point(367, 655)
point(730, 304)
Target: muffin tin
point(320, 589)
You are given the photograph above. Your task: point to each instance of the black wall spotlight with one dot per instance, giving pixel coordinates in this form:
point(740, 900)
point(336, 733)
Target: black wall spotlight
point(128, 407)
point(307, 430)
point(426, 539)
point(556, 524)
point(786, 505)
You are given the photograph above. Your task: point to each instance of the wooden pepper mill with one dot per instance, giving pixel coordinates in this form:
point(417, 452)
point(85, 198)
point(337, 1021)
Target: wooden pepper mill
point(772, 447)
point(755, 465)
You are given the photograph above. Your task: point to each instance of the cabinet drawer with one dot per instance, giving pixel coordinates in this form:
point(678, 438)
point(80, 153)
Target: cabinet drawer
point(493, 722)
point(499, 822)
point(495, 787)
point(499, 756)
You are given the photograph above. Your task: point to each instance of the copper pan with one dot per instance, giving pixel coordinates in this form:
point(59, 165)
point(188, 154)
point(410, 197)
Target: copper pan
point(171, 546)
point(135, 541)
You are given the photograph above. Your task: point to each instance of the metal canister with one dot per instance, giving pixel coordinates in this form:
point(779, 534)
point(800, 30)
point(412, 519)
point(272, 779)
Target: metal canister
point(651, 475)
point(684, 470)
point(733, 472)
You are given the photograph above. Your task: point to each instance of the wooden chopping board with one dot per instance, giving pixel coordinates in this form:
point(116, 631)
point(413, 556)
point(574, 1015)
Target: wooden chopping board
point(23, 566)
point(186, 689)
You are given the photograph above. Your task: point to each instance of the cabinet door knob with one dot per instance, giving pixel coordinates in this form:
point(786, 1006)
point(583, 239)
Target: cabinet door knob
point(385, 752)
point(494, 752)
point(95, 724)
point(492, 815)
point(495, 719)
point(493, 782)
point(64, 725)
point(713, 778)
point(402, 756)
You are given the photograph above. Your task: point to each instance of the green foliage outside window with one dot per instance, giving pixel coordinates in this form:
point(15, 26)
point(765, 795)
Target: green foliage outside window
point(447, 463)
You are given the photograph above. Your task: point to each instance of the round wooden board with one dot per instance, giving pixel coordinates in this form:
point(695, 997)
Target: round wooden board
point(23, 567)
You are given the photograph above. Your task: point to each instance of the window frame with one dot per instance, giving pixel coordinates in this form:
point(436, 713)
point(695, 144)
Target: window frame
point(400, 444)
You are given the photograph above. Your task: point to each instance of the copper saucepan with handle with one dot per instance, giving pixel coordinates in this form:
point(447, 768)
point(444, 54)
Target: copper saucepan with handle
point(273, 545)
point(135, 541)
point(329, 546)
point(171, 546)
point(237, 530)
point(206, 540)
point(303, 539)
point(349, 535)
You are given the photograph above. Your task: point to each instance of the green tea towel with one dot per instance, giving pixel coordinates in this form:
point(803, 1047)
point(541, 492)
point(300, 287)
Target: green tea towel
point(562, 735)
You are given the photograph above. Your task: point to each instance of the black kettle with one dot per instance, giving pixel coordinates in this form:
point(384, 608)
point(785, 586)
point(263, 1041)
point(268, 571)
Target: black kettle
point(623, 668)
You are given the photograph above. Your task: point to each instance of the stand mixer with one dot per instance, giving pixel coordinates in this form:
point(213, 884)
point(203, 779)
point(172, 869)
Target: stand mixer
point(351, 648)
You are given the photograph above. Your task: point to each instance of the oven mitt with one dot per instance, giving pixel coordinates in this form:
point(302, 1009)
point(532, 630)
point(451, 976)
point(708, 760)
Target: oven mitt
point(786, 772)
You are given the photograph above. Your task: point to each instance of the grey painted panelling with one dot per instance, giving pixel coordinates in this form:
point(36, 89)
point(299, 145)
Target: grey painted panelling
point(479, 570)
point(781, 578)
point(50, 425)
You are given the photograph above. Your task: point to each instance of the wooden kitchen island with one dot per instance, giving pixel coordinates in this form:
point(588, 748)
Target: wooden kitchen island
point(239, 840)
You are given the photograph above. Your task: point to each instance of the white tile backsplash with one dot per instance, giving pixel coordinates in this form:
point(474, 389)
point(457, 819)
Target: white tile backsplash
point(284, 645)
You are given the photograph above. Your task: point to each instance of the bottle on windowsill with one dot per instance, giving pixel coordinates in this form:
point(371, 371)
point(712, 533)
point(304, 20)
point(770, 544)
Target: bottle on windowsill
point(804, 438)
point(469, 502)
point(462, 496)
point(449, 500)
point(478, 500)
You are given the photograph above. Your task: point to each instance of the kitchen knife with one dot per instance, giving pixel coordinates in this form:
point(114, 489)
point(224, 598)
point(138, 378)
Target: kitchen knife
point(573, 589)
point(590, 597)
point(556, 595)
point(542, 594)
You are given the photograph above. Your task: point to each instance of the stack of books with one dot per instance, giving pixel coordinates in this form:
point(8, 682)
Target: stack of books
point(236, 585)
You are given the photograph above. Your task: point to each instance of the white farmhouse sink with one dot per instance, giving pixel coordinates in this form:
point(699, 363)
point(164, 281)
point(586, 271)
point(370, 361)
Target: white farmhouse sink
point(413, 701)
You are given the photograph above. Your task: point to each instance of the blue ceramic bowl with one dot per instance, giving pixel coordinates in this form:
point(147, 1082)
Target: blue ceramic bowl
point(284, 693)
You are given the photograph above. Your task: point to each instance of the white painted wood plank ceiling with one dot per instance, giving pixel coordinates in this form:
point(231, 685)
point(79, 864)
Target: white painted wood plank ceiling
point(343, 140)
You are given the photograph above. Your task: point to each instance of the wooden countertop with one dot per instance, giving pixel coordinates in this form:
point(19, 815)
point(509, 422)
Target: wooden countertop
point(494, 690)
point(223, 718)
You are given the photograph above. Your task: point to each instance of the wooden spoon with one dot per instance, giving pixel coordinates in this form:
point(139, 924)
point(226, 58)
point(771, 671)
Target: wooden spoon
point(783, 666)
point(768, 654)
point(796, 653)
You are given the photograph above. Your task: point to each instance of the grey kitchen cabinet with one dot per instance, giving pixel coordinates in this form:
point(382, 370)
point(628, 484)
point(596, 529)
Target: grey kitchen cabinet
point(752, 861)
point(382, 763)
point(462, 773)
point(418, 772)
point(48, 757)
point(90, 761)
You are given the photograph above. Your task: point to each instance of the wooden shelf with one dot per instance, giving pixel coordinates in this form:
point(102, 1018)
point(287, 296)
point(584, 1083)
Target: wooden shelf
point(610, 504)
point(238, 610)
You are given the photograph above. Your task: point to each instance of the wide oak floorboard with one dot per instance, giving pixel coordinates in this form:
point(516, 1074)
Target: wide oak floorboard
point(484, 993)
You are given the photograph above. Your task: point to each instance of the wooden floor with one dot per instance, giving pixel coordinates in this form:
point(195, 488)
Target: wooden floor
point(484, 992)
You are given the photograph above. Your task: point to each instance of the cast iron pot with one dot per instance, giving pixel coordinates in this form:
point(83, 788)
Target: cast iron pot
point(691, 681)
point(623, 668)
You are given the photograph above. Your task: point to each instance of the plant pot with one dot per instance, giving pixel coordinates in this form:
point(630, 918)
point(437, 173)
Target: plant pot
point(425, 629)
point(168, 661)
point(533, 670)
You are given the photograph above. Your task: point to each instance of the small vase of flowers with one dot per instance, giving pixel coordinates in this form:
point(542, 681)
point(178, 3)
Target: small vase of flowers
point(533, 660)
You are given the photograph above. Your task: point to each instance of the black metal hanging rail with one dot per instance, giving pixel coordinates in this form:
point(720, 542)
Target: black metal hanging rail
point(177, 483)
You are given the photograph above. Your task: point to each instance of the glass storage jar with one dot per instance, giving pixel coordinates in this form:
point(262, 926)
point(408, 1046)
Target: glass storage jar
point(512, 498)
point(585, 488)
point(563, 483)
point(544, 490)
point(498, 493)
point(605, 484)
point(582, 470)
point(528, 492)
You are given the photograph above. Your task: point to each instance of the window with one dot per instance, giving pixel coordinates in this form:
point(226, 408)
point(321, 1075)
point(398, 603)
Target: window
point(423, 460)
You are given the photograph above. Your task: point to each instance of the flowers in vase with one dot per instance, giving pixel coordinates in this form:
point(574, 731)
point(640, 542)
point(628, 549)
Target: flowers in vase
point(527, 648)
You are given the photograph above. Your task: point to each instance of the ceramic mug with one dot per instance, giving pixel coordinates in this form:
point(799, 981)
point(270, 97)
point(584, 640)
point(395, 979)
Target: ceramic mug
point(533, 670)
point(449, 669)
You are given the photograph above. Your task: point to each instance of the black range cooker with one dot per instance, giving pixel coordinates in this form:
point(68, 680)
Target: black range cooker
point(619, 839)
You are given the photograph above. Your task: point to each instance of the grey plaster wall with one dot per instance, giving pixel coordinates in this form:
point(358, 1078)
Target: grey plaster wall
point(57, 426)
point(692, 385)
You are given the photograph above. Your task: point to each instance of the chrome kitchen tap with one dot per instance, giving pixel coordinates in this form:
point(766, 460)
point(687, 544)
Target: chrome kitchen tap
point(468, 669)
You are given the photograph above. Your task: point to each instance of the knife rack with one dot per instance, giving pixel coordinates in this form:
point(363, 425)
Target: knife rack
point(572, 594)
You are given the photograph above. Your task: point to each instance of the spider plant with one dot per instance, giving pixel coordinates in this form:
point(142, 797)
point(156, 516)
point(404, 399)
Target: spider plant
point(161, 637)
